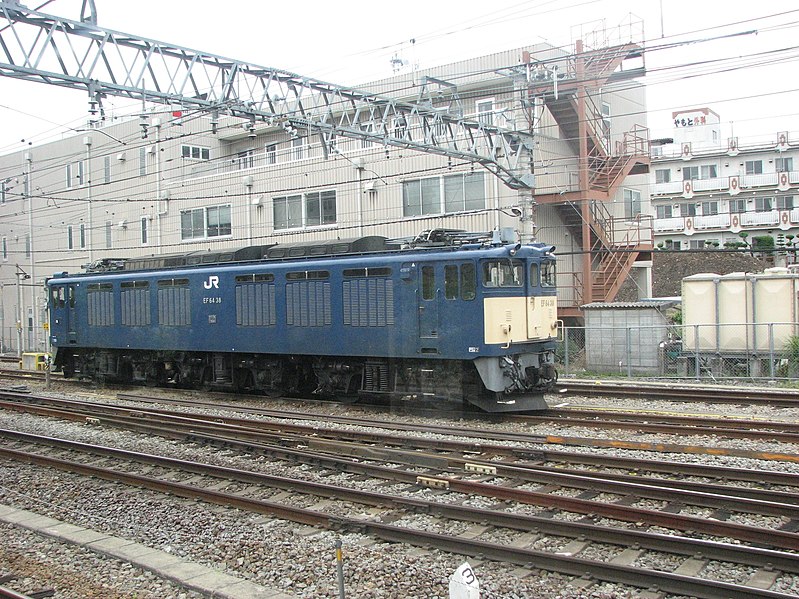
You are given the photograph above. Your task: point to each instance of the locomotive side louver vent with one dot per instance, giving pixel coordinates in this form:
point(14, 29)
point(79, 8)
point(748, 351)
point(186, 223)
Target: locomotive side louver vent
point(255, 305)
point(308, 304)
point(368, 302)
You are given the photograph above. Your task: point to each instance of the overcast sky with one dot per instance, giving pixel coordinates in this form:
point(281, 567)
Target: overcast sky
point(748, 79)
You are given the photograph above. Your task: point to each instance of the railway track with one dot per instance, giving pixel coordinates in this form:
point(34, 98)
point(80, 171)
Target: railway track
point(681, 391)
point(487, 471)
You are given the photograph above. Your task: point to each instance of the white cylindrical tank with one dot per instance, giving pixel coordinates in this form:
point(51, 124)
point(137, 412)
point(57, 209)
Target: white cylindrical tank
point(700, 307)
point(740, 312)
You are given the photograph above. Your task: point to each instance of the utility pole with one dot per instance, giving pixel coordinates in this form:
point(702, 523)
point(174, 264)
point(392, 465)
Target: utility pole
point(21, 276)
point(87, 141)
point(28, 189)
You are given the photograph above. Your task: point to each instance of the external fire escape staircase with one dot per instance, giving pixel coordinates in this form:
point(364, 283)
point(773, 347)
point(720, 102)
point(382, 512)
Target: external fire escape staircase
point(610, 250)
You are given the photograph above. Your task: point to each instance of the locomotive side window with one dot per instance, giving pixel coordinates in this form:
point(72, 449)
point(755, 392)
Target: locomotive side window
point(451, 282)
point(307, 274)
point(256, 278)
point(428, 282)
point(547, 274)
point(503, 273)
point(71, 293)
point(460, 281)
point(367, 272)
point(468, 281)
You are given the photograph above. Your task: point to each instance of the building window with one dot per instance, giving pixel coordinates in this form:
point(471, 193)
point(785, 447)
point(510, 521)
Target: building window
point(697, 244)
point(203, 223)
point(784, 202)
point(464, 191)
point(82, 230)
point(28, 246)
point(304, 210)
point(784, 165)
point(287, 212)
point(246, 159)
point(663, 175)
point(74, 172)
point(69, 237)
point(107, 169)
point(753, 167)
point(485, 112)
point(142, 161)
point(688, 209)
point(270, 150)
point(143, 229)
point(764, 204)
point(298, 148)
point(710, 208)
point(632, 203)
point(195, 152)
point(421, 196)
point(663, 211)
point(320, 208)
point(3, 192)
point(708, 171)
point(737, 206)
point(108, 226)
point(5, 248)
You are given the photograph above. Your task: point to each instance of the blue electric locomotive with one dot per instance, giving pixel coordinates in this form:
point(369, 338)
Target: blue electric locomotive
point(472, 320)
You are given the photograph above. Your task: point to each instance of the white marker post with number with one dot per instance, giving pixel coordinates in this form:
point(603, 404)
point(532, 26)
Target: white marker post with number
point(463, 583)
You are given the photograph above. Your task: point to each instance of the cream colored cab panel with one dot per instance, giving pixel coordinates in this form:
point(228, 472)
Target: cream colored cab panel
point(505, 319)
point(542, 317)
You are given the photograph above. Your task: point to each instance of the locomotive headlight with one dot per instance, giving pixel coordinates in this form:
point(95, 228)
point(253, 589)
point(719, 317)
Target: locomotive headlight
point(512, 251)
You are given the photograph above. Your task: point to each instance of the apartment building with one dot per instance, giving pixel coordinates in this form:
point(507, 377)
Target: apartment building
point(710, 191)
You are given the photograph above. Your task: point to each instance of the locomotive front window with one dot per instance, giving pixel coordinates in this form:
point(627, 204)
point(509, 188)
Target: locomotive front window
point(533, 275)
point(503, 273)
point(547, 274)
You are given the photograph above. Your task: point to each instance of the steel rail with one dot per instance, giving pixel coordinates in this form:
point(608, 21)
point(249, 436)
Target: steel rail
point(334, 449)
point(634, 576)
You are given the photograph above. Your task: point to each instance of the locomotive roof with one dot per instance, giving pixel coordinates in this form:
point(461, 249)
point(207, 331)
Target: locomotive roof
point(435, 239)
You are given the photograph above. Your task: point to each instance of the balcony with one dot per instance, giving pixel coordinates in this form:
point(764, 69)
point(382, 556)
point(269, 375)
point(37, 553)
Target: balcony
point(766, 181)
point(688, 225)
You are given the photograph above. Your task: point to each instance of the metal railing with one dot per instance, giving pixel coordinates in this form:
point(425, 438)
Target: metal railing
point(700, 352)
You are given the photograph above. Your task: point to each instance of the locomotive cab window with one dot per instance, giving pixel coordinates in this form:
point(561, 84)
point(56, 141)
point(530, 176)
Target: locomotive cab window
point(58, 297)
point(503, 273)
point(547, 274)
point(534, 275)
point(459, 281)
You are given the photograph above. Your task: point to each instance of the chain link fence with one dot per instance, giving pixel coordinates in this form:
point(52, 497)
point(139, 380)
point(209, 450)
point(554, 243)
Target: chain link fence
point(766, 352)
